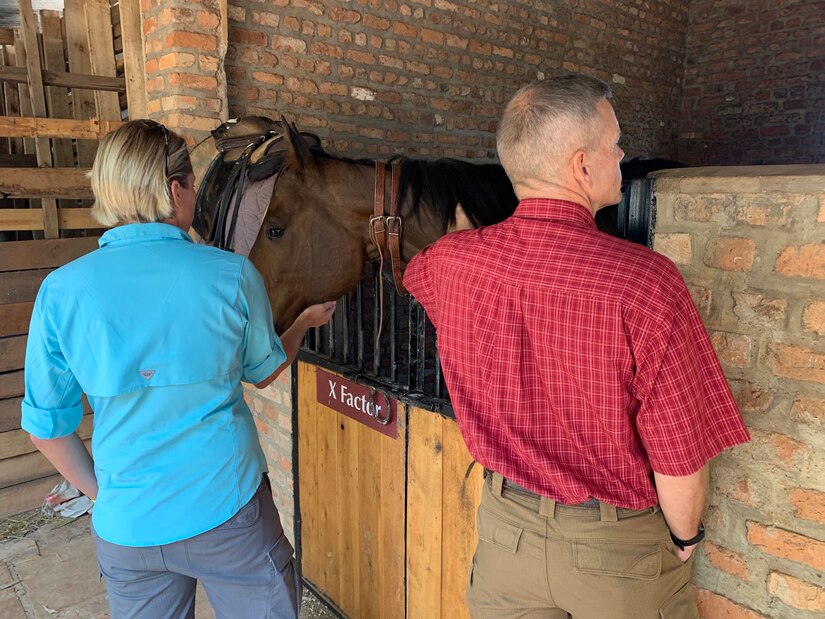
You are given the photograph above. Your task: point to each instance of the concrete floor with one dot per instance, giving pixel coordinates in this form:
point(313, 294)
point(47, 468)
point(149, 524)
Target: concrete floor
point(51, 573)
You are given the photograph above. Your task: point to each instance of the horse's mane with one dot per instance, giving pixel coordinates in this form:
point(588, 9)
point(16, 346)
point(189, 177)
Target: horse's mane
point(483, 190)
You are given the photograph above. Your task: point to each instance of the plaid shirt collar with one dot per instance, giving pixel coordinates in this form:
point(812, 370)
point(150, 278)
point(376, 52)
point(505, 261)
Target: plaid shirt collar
point(560, 211)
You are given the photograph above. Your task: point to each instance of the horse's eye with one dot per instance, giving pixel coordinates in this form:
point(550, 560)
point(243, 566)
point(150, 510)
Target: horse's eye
point(274, 233)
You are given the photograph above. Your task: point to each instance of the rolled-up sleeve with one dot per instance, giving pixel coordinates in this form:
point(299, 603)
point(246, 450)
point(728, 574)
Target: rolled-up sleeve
point(263, 352)
point(51, 404)
point(419, 281)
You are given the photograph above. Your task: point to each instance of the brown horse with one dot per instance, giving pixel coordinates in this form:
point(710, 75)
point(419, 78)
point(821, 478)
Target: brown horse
point(315, 239)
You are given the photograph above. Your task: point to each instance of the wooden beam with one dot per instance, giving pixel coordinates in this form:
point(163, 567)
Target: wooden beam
point(38, 96)
point(17, 161)
point(91, 129)
point(6, 36)
point(102, 54)
point(69, 183)
point(11, 384)
point(10, 413)
point(77, 50)
point(47, 254)
point(12, 353)
point(17, 75)
point(134, 57)
point(15, 318)
point(32, 219)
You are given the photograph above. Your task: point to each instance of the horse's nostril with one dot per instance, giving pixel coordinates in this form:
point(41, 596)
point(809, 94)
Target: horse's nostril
point(274, 233)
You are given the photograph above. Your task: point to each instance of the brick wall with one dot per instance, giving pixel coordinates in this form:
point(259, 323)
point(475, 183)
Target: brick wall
point(430, 77)
point(754, 91)
point(754, 260)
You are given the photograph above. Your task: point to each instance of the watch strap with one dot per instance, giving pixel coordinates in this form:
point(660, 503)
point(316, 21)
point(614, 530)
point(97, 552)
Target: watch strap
point(681, 544)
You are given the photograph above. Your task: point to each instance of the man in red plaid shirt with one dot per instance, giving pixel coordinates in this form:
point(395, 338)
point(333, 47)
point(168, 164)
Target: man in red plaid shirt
point(581, 377)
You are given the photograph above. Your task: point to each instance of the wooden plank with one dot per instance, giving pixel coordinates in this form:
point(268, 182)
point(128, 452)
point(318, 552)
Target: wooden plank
point(31, 219)
point(11, 98)
point(23, 92)
point(6, 36)
point(15, 318)
point(21, 286)
point(461, 498)
point(349, 527)
point(392, 534)
point(62, 79)
point(18, 442)
point(37, 93)
point(11, 384)
point(370, 494)
point(424, 514)
point(102, 54)
point(46, 254)
point(10, 414)
point(9, 160)
point(77, 49)
point(134, 59)
point(27, 467)
point(45, 182)
point(12, 353)
point(23, 497)
point(57, 98)
point(90, 129)
point(307, 482)
point(329, 508)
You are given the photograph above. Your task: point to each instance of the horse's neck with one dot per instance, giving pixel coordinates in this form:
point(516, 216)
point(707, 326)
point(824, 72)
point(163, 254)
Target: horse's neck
point(201, 156)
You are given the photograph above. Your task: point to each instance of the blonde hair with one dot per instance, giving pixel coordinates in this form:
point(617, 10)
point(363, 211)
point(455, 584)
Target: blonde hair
point(133, 171)
point(546, 122)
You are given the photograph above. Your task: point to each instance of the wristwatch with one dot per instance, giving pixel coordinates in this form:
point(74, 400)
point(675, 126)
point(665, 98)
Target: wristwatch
point(681, 544)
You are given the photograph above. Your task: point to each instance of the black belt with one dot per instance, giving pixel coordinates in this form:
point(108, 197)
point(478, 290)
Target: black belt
point(511, 486)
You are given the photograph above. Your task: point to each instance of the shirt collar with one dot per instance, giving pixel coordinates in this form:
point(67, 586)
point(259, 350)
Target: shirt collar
point(560, 211)
point(133, 233)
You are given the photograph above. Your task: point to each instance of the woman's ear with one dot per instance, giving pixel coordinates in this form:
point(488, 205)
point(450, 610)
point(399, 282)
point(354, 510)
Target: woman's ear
point(176, 189)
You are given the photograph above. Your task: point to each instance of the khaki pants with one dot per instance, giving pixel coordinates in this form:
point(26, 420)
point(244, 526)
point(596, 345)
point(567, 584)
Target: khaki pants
point(537, 559)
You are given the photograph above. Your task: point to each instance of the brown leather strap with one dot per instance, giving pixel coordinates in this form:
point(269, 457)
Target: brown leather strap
point(394, 229)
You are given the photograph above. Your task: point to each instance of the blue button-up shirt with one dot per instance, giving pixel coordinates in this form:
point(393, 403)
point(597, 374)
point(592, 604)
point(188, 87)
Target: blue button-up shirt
point(158, 333)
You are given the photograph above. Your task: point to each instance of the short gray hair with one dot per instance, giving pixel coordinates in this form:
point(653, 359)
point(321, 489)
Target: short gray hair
point(547, 121)
point(128, 178)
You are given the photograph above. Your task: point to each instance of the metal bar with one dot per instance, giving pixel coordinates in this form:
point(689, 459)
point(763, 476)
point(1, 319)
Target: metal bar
point(345, 335)
point(393, 339)
point(359, 321)
point(438, 385)
point(376, 321)
point(421, 341)
point(410, 341)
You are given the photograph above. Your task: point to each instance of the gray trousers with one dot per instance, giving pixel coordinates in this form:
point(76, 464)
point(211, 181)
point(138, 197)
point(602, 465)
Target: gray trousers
point(245, 565)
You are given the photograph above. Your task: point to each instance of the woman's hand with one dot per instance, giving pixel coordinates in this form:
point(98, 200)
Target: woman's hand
point(317, 315)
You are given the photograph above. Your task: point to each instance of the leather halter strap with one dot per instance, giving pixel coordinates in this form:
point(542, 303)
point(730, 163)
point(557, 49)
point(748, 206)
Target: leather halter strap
point(385, 230)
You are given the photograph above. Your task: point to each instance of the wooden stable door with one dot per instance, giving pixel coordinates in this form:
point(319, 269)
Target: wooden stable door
point(387, 524)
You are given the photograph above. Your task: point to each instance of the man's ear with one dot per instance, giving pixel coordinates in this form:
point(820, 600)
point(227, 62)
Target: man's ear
point(581, 168)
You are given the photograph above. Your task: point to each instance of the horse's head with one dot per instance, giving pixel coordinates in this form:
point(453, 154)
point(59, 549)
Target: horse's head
point(311, 247)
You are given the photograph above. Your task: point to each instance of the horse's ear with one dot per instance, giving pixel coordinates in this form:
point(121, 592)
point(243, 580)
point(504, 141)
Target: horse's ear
point(298, 148)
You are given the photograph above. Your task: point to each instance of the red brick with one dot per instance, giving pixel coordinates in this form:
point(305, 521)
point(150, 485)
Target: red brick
point(377, 23)
point(796, 593)
point(265, 18)
point(176, 60)
point(247, 37)
point(267, 77)
point(802, 261)
point(788, 545)
point(291, 23)
point(813, 317)
point(808, 504)
point(362, 57)
point(289, 44)
point(190, 80)
point(731, 253)
point(677, 247)
point(432, 36)
point(733, 349)
point(326, 50)
point(202, 42)
point(798, 363)
point(751, 397)
point(754, 309)
point(344, 15)
point(808, 409)
point(405, 30)
point(207, 20)
point(820, 218)
point(714, 606)
point(726, 560)
point(704, 207)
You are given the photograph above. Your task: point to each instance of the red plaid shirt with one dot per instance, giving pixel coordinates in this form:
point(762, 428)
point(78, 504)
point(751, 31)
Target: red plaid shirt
point(576, 362)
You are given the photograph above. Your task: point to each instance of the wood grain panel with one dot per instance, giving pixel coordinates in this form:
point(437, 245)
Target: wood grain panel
point(11, 384)
point(10, 414)
point(353, 541)
point(424, 514)
point(15, 318)
point(43, 254)
point(17, 442)
point(21, 286)
point(12, 353)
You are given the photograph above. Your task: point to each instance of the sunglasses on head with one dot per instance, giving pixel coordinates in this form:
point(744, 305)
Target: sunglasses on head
point(165, 133)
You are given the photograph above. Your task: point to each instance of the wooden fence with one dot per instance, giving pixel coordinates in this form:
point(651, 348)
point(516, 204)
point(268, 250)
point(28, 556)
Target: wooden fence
point(62, 88)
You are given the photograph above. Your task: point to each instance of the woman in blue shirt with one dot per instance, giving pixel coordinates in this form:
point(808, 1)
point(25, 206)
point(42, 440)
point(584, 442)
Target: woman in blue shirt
point(159, 333)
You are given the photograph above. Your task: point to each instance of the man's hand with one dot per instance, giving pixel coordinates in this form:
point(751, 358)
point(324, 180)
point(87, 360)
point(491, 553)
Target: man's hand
point(684, 555)
point(317, 315)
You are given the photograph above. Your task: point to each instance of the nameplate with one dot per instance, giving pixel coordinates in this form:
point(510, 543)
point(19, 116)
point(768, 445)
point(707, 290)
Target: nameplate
point(373, 408)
